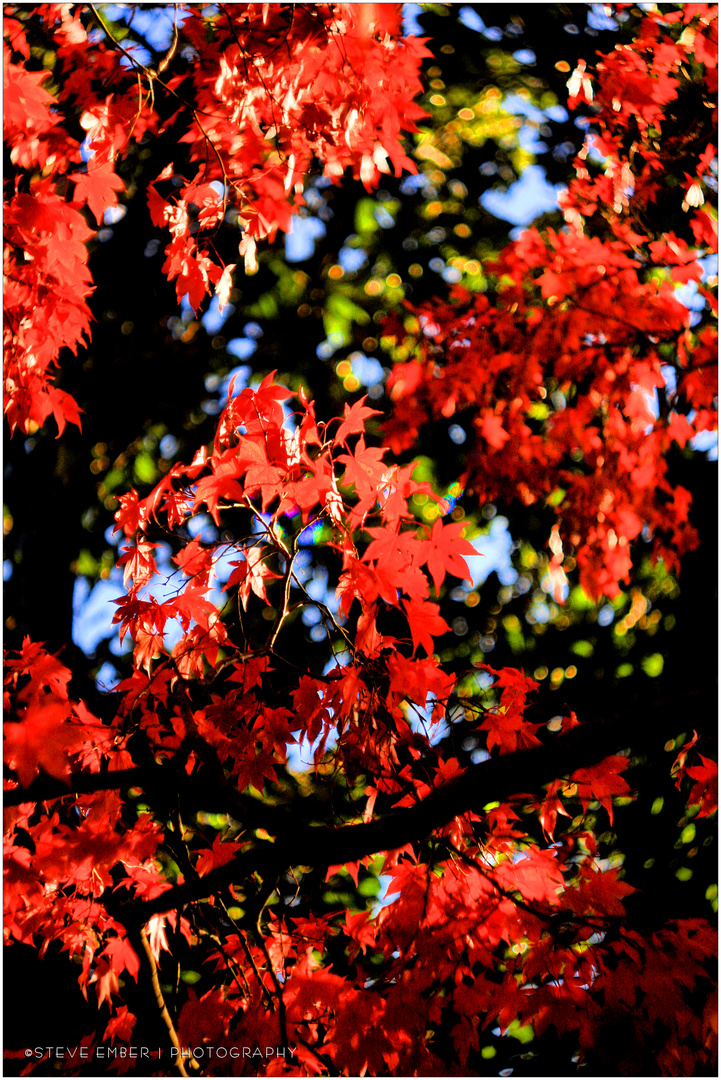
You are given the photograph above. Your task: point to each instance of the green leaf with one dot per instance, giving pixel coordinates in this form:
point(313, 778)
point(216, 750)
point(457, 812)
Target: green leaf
point(339, 315)
point(145, 469)
point(370, 886)
point(579, 600)
point(524, 1033)
point(653, 664)
point(365, 221)
point(582, 648)
point(113, 478)
point(86, 564)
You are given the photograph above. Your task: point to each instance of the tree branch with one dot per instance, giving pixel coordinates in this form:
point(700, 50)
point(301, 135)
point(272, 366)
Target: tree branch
point(162, 1007)
point(297, 843)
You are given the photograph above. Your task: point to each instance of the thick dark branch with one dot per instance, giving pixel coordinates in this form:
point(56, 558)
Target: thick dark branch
point(297, 843)
point(160, 783)
point(44, 788)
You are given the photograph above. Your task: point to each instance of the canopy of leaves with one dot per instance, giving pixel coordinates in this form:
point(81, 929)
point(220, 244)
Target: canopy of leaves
point(273, 370)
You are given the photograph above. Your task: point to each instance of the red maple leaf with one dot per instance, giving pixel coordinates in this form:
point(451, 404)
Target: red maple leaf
point(602, 782)
point(252, 573)
point(425, 622)
point(97, 187)
point(704, 793)
point(41, 740)
point(354, 418)
point(364, 467)
point(220, 854)
point(120, 1026)
point(600, 892)
point(444, 552)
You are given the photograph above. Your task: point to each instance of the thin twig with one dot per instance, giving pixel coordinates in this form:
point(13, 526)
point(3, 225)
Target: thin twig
point(154, 76)
point(235, 970)
point(283, 612)
point(162, 1007)
point(278, 988)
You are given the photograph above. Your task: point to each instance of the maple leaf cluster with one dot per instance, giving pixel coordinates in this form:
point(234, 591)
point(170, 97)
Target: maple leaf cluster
point(271, 90)
point(48, 732)
point(497, 926)
point(170, 819)
point(287, 473)
point(580, 371)
point(333, 84)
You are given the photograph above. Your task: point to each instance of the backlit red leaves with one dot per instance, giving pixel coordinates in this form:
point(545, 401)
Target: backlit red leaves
point(563, 390)
point(484, 922)
point(219, 854)
point(46, 728)
point(425, 623)
point(58, 894)
point(417, 679)
point(347, 96)
point(505, 723)
point(266, 470)
point(331, 110)
point(120, 1026)
point(444, 550)
point(252, 573)
point(537, 876)
point(601, 782)
point(97, 187)
point(704, 792)
point(45, 305)
point(550, 808)
point(599, 893)
point(354, 418)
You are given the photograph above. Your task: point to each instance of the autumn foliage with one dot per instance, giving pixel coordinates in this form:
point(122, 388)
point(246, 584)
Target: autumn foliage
point(578, 374)
point(342, 87)
point(593, 309)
